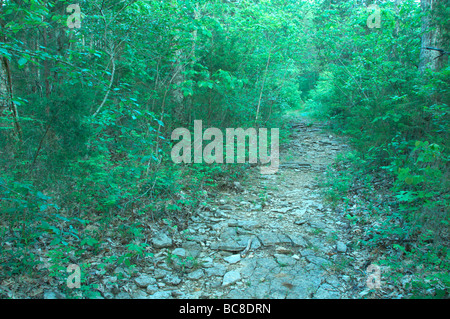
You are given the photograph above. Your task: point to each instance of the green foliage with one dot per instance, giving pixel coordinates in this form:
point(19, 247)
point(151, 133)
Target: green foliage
point(86, 114)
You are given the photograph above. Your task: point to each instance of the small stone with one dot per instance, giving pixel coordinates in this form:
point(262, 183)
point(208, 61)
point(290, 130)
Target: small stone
point(164, 265)
point(230, 278)
point(298, 240)
point(233, 259)
point(193, 249)
point(215, 283)
point(50, 295)
point(172, 280)
point(217, 270)
point(160, 273)
point(207, 262)
point(180, 252)
point(161, 240)
point(196, 275)
point(341, 247)
point(151, 289)
point(144, 280)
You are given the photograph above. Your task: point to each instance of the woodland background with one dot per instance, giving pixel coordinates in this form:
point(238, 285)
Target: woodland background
point(86, 115)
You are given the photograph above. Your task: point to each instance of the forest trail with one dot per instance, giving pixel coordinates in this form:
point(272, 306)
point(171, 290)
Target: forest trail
point(287, 243)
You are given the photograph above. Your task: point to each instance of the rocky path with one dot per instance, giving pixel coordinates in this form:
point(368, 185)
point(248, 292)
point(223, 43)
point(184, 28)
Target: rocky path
point(272, 237)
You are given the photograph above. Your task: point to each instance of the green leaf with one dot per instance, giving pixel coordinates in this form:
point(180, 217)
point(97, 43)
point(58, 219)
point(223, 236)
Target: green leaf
point(22, 61)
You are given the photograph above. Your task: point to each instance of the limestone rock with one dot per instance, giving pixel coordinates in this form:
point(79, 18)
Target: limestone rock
point(144, 280)
point(230, 278)
point(341, 247)
point(233, 259)
point(196, 275)
point(161, 240)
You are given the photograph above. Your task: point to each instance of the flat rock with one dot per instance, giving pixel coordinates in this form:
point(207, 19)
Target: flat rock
point(232, 259)
point(284, 260)
point(144, 280)
point(161, 240)
point(196, 274)
point(300, 221)
point(216, 270)
point(269, 239)
point(298, 240)
point(207, 262)
point(180, 252)
point(306, 252)
point(161, 273)
point(319, 261)
point(235, 243)
point(193, 249)
point(230, 278)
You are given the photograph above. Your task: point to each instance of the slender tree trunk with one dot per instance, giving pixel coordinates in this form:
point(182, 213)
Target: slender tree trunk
point(431, 37)
point(6, 87)
point(6, 92)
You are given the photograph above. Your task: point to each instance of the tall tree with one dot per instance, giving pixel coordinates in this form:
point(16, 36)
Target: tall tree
point(6, 86)
point(431, 54)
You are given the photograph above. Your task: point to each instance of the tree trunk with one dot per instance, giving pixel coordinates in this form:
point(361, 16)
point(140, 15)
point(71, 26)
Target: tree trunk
point(431, 37)
point(6, 87)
